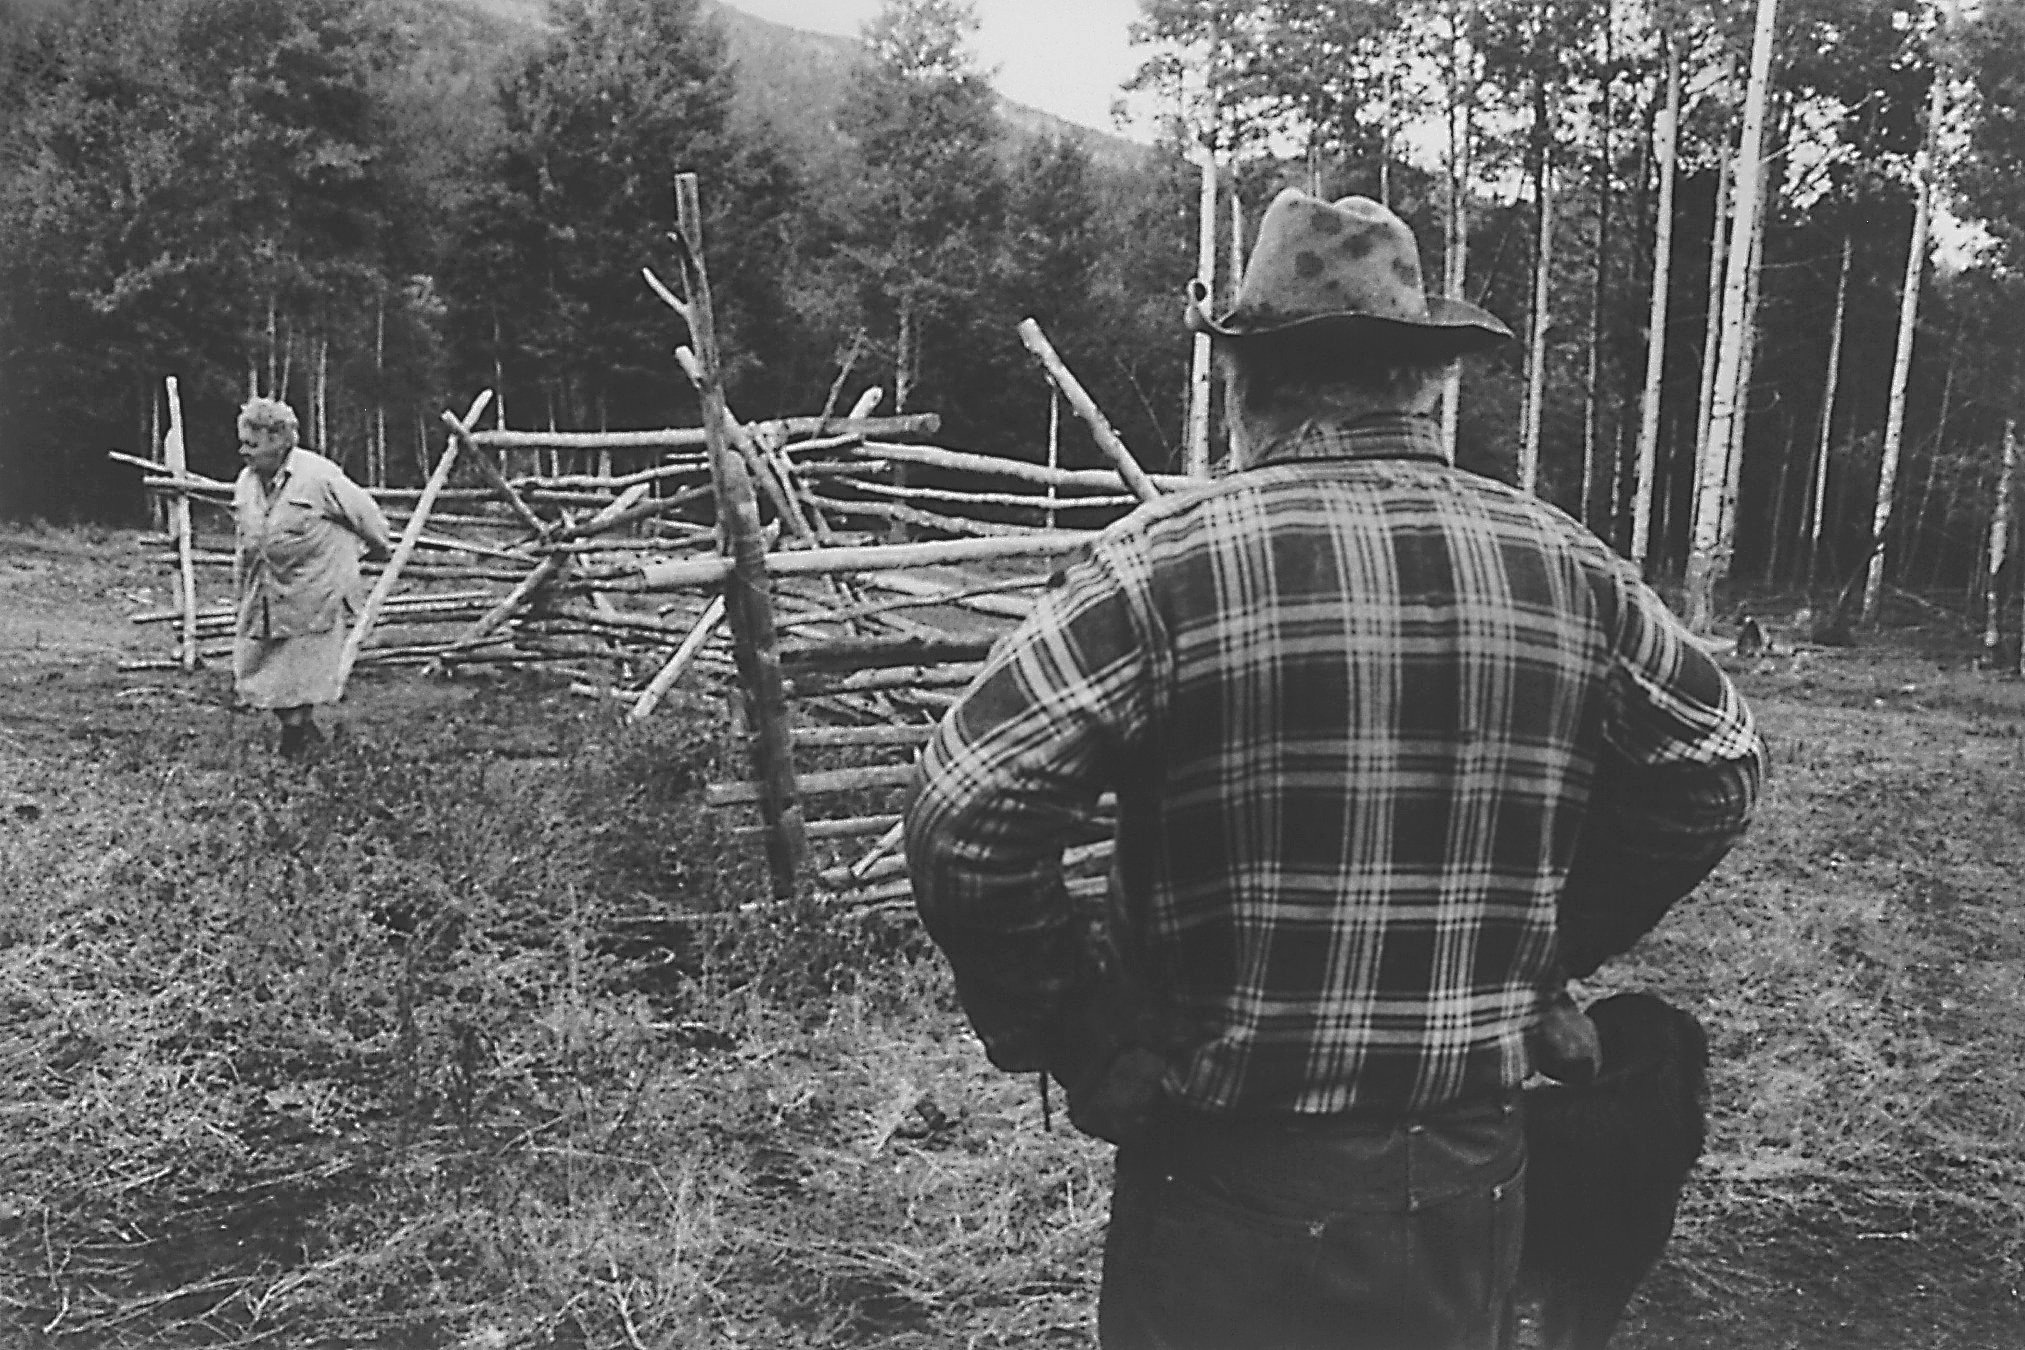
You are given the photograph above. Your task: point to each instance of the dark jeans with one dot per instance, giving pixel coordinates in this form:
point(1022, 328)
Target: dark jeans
point(1328, 1234)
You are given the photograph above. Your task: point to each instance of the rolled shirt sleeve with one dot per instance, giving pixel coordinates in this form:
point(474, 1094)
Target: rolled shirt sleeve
point(1680, 772)
point(1012, 773)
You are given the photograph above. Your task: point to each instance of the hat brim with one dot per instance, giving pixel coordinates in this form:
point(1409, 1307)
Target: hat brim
point(1452, 328)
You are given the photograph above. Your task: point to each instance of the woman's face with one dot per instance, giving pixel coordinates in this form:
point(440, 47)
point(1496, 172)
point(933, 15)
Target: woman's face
point(263, 448)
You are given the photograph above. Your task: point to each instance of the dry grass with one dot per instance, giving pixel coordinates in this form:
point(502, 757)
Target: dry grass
point(405, 1050)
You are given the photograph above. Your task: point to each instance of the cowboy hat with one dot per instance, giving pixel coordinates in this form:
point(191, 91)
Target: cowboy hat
point(1349, 271)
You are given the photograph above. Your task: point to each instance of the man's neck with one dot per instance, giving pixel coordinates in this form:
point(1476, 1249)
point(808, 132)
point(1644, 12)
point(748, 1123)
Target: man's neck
point(1279, 439)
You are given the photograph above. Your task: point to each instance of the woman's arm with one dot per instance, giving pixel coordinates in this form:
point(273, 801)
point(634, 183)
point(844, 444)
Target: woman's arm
point(359, 513)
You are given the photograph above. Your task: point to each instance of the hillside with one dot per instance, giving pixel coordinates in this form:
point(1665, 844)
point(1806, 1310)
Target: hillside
point(796, 80)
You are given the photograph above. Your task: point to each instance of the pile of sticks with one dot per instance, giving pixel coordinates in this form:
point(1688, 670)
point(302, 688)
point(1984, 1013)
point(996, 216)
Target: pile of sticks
point(801, 564)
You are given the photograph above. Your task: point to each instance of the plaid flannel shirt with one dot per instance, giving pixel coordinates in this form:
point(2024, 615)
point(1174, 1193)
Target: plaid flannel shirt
point(1352, 702)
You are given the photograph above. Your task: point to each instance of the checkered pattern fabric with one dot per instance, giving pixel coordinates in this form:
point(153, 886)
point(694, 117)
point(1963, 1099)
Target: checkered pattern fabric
point(1352, 702)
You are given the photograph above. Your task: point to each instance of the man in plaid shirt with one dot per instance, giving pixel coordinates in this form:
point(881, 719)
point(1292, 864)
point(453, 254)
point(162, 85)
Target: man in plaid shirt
point(1396, 749)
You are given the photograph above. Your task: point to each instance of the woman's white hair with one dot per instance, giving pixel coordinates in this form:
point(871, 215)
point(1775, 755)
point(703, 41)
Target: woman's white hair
point(269, 414)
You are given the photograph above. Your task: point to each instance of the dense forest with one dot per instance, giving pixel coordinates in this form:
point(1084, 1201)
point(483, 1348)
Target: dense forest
point(377, 207)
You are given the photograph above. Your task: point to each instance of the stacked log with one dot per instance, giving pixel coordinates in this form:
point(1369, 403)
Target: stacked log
point(742, 559)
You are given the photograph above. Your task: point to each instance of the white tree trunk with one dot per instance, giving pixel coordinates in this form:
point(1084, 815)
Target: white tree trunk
point(376, 450)
point(1196, 452)
point(1592, 375)
point(1918, 531)
point(1642, 487)
point(1455, 252)
point(1536, 340)
point(1706, 562)
point(1237, 238)
point(903, 362)
point(1817, 503)
point(2000, 541)
point(323, 394)
point(1901, 370)
point(1733, 454)
point(1712, 328)
point(1386, 132)
point(1232, 453)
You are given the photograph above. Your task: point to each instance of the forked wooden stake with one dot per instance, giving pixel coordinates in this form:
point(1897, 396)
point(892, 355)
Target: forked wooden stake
point(748, 602)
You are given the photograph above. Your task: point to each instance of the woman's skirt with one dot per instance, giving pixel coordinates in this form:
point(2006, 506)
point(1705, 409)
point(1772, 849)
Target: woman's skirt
point(289, 672)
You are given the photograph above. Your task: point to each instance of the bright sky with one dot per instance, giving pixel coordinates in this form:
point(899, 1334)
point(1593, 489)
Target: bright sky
point(1067, 57)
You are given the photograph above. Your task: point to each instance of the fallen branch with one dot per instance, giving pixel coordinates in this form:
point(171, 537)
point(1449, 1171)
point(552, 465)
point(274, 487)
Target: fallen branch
point(875, 653)
point(909, 678)
point(668, 576)
point(685, 654)
point(409, 537)
point(832, 780)
point(817, 738)
point(932, 520)
point(839, 827)
point(1086, 408)
point(970, 461)
point(693, 438)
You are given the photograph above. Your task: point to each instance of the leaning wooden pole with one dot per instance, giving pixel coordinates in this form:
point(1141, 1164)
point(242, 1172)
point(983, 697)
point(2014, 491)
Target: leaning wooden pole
point(748, 602)
point(495, 475)
point(179, 524)
point(410, 537)
point(1086, 408)
point(685, 656)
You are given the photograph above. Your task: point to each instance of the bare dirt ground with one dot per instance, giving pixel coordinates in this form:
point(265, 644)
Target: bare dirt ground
point(1860, 962)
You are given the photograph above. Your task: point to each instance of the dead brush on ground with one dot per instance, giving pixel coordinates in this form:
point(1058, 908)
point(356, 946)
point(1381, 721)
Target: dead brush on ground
point(1853, 1099)
point(274, 1035)
point(383, 1053)
point(408, 1049)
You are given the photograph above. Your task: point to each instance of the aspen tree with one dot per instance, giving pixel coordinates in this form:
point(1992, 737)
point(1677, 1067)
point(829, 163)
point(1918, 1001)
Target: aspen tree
point(1706, 563)
point(1818, 500)
point(2000, 542)
point(1455, 251)
point(1901, 372)
point(1643, 486)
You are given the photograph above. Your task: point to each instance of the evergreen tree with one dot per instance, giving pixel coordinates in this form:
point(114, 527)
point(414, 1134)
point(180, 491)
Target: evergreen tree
point(623, 95)
point(925, 224)
point(188, 178)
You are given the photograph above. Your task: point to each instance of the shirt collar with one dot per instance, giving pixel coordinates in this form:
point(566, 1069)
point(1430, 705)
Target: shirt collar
point(280, 474)
point(1378, 436)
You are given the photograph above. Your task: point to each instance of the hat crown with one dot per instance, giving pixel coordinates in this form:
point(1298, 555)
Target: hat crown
point(1315, 258)
point(1347, 270)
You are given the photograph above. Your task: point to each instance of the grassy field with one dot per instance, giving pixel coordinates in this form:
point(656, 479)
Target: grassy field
point(459, 1038)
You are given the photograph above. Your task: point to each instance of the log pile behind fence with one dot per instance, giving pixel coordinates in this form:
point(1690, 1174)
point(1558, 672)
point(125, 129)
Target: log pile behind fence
point(885, 597)
point(837, 579)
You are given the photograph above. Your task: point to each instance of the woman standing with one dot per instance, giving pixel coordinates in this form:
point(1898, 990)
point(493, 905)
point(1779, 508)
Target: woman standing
point(301, 528)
